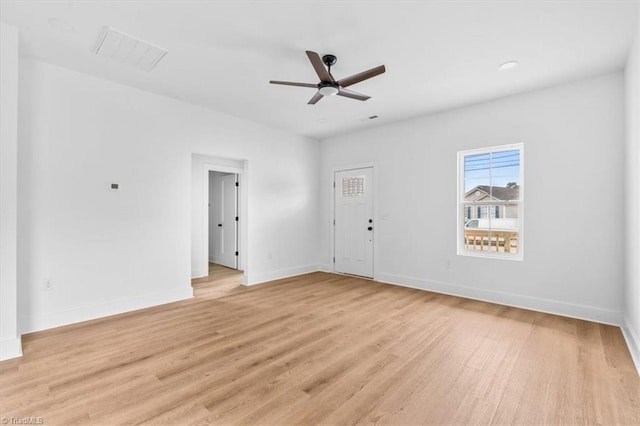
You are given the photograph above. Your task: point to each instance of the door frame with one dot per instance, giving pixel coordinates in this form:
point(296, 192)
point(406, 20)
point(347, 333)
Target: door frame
point(241, 235)
point(332, 210)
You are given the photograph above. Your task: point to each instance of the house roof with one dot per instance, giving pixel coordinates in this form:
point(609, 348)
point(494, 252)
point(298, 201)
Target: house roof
point(497, 192)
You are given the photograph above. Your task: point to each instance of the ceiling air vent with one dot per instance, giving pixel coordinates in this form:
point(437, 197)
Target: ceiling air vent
point(129, 50)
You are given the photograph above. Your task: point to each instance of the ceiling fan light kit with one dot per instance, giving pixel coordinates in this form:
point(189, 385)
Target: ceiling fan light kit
point(328, 89)
point(328, 86)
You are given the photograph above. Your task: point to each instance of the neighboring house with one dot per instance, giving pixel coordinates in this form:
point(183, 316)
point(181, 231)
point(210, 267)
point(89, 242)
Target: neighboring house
point(483, 194)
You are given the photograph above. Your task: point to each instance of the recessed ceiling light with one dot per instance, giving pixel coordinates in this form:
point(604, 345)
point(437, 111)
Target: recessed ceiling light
point(60, 25)
point(508, 65)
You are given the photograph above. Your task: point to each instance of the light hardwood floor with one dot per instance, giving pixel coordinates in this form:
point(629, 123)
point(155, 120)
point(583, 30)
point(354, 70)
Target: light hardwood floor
point(220, 282)
point(325, 349)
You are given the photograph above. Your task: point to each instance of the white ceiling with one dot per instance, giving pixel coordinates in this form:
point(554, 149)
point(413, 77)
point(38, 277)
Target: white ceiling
point(438, 55)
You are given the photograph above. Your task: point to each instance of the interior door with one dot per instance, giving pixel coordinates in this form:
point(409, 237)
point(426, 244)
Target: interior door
point(353, 226)
point(227, 224)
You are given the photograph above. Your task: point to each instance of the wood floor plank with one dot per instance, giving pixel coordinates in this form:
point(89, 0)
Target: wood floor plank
point(323, 349)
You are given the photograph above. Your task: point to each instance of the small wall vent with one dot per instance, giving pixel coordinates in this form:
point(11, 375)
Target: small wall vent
point(129, 50)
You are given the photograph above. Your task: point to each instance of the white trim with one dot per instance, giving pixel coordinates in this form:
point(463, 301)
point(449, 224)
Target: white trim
point(48, 320)
point(10, 348)
point(491, 255)
point(589, 313)
point(211, 167)
point(633, 343)
point(280, 274)
point(495, 148)
point(376, 221)
point(460, 202)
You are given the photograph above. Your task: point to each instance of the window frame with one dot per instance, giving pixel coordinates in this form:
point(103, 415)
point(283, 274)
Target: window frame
point(460, 203)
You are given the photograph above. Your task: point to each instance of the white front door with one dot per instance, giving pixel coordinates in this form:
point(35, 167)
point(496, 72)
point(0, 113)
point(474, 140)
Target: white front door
point(226, 204)
point(353, 228)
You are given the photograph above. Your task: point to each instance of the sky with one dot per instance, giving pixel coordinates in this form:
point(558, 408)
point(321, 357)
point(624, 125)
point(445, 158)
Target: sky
point(491, 169)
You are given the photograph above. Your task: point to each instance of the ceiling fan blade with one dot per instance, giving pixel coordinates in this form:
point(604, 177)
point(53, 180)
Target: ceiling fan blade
point(357, 78)
point(290, 83)
point(315, 98)
point(318, 65)
point(353, 95)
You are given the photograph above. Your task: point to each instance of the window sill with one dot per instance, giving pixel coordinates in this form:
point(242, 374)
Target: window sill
point(498, 256)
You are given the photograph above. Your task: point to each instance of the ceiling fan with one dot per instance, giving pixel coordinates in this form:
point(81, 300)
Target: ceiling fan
point(328, 85)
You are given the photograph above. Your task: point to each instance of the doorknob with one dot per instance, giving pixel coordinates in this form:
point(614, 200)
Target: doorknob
point(370, 228)
point(220, 225)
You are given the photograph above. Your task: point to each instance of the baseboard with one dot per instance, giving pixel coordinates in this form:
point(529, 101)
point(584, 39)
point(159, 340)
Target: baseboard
point(45, 321)
point(325, 267)
point(254, 279)
point(588, 313)
point(633, 343)
point(10, 348)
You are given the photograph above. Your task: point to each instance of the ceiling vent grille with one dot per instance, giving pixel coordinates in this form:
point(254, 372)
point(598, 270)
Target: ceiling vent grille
point(129, 50)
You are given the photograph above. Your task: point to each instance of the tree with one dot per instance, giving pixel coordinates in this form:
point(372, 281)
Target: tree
point(513, 185)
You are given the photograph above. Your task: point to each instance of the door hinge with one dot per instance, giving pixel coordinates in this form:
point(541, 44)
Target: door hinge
point(334, 259)
point(237, 183)
point(236, 253)
point(236, 218)
point(334, 222)
point(334, 184)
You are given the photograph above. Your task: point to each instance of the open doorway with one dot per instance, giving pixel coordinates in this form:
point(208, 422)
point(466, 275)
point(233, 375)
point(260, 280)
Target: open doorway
point(219, 212)
point(223, 251)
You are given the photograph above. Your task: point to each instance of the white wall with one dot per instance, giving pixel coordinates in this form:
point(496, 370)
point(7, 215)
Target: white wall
point(632, 194)
point(574, 248)
point(10, 345)
point(107, 252)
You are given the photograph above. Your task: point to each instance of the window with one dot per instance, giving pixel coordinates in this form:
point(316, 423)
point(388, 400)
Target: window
point(491, 186)
point(353, 186)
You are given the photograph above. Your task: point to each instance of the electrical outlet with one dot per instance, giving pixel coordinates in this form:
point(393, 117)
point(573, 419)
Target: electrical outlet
point(48, 285)
point(447, 264)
